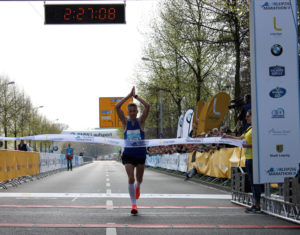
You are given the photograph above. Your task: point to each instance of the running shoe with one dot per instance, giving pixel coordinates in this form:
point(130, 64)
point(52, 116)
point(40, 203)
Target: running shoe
point(134, 210)
point(137, 192)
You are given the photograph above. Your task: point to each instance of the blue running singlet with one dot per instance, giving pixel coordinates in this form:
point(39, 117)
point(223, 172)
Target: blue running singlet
point(134, 133)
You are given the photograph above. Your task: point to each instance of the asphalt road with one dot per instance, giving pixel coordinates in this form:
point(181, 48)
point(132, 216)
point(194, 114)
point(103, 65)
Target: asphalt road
point(93, 199)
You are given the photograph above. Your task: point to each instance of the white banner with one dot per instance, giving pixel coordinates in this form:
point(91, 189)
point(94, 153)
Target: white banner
point(126, 143)
point(275, 89)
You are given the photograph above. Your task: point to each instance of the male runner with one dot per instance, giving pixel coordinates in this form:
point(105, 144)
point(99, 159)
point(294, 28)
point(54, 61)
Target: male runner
point(133, 157)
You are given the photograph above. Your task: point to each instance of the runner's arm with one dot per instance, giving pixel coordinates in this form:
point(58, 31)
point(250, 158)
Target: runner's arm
point(119, 110)
point(145, 113)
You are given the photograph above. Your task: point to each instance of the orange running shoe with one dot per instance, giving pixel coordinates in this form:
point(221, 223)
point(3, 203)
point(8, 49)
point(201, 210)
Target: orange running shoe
point(137, 192)
point(134, 210)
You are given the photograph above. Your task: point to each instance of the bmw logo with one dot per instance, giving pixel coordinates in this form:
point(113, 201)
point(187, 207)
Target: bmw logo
point(276, 50)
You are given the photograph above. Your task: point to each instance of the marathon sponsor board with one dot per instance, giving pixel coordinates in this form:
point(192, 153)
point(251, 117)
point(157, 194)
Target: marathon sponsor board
point(275, 89)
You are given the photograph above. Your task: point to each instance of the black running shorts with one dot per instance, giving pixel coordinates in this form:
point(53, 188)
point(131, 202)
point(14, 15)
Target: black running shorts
point(133, 160)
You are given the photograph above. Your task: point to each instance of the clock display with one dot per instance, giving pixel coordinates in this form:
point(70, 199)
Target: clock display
point(85, 14)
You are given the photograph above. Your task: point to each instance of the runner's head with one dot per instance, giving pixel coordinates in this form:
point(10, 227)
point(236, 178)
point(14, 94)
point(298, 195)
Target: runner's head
point(132, 110)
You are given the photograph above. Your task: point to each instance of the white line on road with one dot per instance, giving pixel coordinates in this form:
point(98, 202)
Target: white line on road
point(74, 199)
point(111, 231)
point(107, 179)
point(107, 184)
point(109, 205)
point(108, 191)
point(113, 195)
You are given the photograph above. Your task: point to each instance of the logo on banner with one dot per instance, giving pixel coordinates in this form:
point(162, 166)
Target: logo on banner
point(279, 132)
point(276, 50)
point(279, 154)
point(279, 148)
point(189, 117)
point(278, 113)
point(277, 71)
point(281, 171)
point(277, 92)
point(270, 5)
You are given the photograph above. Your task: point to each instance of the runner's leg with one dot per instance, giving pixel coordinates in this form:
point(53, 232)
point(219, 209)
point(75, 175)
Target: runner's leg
point(130, 173)
point(139, 178)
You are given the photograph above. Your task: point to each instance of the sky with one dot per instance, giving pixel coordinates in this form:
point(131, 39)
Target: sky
point(66, 68)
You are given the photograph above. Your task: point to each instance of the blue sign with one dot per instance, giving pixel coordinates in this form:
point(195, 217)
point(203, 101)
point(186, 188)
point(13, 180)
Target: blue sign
point(278, 92)
point(277, 71)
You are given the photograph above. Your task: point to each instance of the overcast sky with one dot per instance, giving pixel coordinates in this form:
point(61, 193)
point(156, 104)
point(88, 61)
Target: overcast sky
point(67, 68)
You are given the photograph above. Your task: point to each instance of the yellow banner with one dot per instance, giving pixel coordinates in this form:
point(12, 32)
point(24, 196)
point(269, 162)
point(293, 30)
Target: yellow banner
point(15, 164)
point(213, 112)
point(217, 163)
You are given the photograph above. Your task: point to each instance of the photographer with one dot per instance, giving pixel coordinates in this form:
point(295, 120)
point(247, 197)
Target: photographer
point(243, 104)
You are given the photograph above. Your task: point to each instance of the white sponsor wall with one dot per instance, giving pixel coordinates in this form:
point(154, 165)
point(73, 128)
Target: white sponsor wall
point(275, 89)
point(53, 161)
point(175, 161)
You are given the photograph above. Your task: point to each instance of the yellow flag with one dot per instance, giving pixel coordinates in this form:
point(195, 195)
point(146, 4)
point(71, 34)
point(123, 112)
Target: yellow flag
point(213, 112)
point(197, 110)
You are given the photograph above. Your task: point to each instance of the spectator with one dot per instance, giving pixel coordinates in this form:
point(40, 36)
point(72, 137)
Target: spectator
point(242, 116)
point(24, 147)
point(247, 138)
point(69, 156)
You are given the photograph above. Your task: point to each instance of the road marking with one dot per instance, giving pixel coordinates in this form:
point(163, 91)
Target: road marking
point(109, 205)
point(74, 199)
point(107, 184)
point(111, 231)
point(114, 195)
point(168, 226)
point(108, 191)
point(107, 179)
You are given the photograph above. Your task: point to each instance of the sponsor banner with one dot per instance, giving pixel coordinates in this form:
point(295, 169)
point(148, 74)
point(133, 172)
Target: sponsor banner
point(187, 123)
point(53, 161)
point(213, 112)
point(15, 164)
point(275, 89)
point(130, 143)
point(175, 161)
point(217, 163)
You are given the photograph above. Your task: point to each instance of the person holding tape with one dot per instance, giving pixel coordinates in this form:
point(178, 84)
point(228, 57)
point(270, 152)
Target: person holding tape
point(247, 145)
point(133, 158)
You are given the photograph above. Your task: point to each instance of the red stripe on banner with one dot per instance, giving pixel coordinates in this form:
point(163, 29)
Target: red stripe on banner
point(240, 226)
point(282, 226)
point(194, 226)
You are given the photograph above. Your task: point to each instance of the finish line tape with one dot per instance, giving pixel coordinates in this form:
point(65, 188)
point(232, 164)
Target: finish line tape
point(125, 143)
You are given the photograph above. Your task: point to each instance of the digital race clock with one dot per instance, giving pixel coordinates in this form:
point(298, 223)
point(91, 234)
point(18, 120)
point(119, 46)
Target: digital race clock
point(85, 14)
